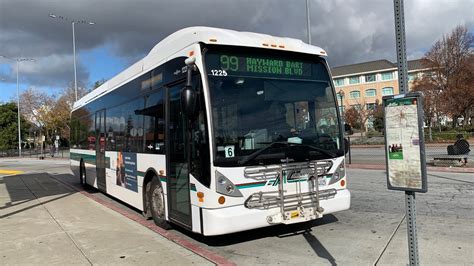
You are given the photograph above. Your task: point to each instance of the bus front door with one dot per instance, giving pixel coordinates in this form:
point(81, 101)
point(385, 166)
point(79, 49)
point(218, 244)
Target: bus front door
point(179, 205)
point(100, 149)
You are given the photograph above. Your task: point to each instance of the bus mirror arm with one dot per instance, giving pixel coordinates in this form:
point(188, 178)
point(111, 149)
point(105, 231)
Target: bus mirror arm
point(188, 94)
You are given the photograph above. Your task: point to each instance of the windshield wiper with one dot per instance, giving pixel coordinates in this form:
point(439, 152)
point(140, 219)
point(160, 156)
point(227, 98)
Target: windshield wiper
point(320, 150)
point(255, 154)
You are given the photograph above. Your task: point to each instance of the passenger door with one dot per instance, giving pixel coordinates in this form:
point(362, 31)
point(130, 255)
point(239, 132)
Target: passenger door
point(179, 205)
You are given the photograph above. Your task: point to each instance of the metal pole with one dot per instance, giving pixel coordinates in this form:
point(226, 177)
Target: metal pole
point(350, 156)
point(308, 22)
point(74, 52)
point(403, 88)
point(401, 46)
point(18, 96)
point(411, 226)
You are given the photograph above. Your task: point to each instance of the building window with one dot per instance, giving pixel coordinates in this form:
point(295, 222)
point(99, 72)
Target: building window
point(339, 82)
point(370, 93)
point(356, 106)
point(370, 78)
point(371, 106)
point(354, 80)
point(354, 94)
point(387, 75)
point(412, 76)
point(387, 91)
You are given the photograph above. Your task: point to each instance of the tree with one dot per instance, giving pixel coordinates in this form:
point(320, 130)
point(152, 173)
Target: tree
point(37, 107)
point(352, 117)
point(98, 83)
point(450, 85)
point(360, 113)
point(378, 116)
point(9, 126)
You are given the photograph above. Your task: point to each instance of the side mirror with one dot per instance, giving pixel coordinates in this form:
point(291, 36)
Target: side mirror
point(347, 127)
point(347, 145)
point(188, 100)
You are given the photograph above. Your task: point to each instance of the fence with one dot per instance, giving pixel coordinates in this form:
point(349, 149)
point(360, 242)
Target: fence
point(371, 150)
point(36, 153)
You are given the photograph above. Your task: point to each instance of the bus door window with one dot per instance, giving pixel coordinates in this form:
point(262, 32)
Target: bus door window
point(199, 159)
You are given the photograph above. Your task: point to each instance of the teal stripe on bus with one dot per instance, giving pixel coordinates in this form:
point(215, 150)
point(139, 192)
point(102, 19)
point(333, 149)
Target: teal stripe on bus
point(88, 158)
point(250, 185)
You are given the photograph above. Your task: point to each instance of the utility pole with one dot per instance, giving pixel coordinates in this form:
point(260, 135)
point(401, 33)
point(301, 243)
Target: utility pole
point(18, 60)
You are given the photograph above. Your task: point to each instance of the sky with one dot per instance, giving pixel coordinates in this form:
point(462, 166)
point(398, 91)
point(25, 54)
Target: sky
point(351, 31)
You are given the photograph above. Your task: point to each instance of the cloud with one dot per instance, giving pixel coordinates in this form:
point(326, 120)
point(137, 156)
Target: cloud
point(52, 70)
point(350, 30)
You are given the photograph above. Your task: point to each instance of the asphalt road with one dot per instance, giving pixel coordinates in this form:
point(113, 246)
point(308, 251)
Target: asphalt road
point(372, 231)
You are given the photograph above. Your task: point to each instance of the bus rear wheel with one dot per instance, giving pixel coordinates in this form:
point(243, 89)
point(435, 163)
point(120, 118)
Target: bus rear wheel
point(156, 203)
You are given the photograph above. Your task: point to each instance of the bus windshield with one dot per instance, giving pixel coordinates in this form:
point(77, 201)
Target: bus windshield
point(271, 106)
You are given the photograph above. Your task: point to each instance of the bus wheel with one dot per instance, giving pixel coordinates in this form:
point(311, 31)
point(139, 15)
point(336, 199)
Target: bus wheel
point(82, 174)
point(156, 203)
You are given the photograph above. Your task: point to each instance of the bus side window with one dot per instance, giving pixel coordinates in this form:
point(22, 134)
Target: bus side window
point(154, 122)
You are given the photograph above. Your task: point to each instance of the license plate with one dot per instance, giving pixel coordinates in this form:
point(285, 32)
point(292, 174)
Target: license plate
point(294, 214)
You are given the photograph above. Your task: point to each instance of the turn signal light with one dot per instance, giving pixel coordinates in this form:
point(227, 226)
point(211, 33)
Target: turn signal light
point(221, 200)
point(200, 196)
point(343, 182)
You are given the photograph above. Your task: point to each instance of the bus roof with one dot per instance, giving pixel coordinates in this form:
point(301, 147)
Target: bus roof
point(188, 36)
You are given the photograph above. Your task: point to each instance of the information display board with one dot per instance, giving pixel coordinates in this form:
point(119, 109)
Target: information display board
point(404, 142)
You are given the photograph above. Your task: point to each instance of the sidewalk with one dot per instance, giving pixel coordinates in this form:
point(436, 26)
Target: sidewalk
point(45, 222)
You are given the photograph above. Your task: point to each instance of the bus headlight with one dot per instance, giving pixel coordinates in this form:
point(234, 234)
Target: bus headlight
point(226, 187)
point(339, 173)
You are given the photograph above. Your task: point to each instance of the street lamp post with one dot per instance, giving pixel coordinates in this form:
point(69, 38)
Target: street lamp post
point(18, 60)
point(73, 23)
point(341, 95)
point(308, 22)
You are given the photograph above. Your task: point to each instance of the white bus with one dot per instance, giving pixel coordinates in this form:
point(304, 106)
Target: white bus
point(217, 131)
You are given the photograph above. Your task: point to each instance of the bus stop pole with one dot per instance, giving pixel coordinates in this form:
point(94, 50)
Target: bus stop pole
point(411, 227)
point(403, 87)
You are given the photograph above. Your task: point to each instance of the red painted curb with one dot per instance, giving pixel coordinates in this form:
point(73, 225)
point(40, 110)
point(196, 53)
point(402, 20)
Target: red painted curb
point(429, 168)
point(208, 255)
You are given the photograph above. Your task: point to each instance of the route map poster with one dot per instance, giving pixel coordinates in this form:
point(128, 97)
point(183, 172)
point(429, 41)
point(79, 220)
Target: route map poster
point(404, 143)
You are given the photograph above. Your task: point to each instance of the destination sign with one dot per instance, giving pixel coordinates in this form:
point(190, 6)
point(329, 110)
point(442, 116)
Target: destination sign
point(232, 64)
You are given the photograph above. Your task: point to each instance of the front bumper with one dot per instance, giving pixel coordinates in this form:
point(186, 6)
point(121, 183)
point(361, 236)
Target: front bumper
point(239, 218)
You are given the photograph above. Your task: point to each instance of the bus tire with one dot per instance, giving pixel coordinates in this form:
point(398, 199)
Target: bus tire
point(82, 174)
point(156, 203)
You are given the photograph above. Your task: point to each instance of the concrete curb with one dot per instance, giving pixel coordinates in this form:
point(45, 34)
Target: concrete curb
point(429, 168)
point(206, 254)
